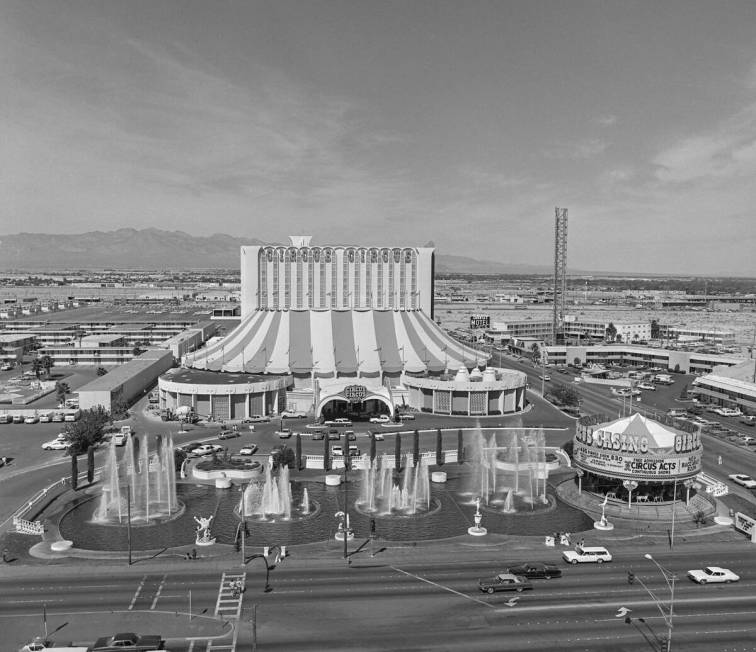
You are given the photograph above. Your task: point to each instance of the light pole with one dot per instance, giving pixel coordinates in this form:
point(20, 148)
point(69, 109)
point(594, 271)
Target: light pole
point(669, 578)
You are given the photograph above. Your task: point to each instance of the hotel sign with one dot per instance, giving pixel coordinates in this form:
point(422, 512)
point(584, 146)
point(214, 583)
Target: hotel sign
point(355, 393)
point(636, 467)
point(685, 442)
point(480, 321)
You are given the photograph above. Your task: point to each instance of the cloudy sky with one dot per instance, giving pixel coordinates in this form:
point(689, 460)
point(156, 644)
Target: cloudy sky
point(382, 122)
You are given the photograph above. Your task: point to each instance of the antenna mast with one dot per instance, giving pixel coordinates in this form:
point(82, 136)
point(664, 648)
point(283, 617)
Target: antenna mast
point(560, 271)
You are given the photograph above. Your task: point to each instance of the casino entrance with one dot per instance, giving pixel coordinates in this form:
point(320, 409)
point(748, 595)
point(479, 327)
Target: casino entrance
point(354, 402)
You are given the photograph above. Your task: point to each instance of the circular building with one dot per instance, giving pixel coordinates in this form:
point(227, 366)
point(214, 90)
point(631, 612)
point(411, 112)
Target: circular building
point(481, 393)
point(635, 455)
point(223, 396)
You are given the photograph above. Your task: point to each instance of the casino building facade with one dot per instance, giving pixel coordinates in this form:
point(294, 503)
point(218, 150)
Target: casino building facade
point(636, 459)
point(340, 322)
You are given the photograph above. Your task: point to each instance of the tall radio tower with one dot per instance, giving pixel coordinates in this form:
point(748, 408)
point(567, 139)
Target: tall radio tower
point(560, 271)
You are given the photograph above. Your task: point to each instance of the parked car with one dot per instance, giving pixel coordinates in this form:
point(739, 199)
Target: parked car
point(58, 417)
point(291, 414)
point(587, 554)
point(378, 436)
point(354, 451)
point(337, 450)
point(205, 449)
point(71, 417)
point(228, 434)
point(334, 434)
point(45, 418)
point(256, 418)
point(743, 480)
point(318, 435)
point(6, 418)
point(647, 386)
point(31, 419)
point(749, 421)
point(284, 433)
point(536, 570)
point(249, 449)
point(119, 438)
point(339, 423)
point(407, 416)
point(504, 582)
point(349, 434)
point(56, 445)
point(712, 574)
point(728, 412)
point(382, 418)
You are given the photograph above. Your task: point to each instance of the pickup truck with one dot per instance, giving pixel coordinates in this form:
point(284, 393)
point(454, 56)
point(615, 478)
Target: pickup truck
point(128, 641)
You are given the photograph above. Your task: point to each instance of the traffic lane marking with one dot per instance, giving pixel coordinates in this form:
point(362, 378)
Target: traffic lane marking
point(444, 588)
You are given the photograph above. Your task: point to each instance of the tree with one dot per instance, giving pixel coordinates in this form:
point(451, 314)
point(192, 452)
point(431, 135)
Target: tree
point(655, 330)
point(119, 408)
point(373, 451)
point(565, 395)
point(101, 371)
point(90, 464)
point(460, 448)
point(611, 332)
point(415, 448)
point(326, 455)
point(439, 448)
point(61, 391)
point(88, 430)
point(137, 350)
point(283, 455)
point(36, 366)
point(577, 362)
point(398, 452)
point(47, 364)
point(535, 352)
point(74, 472)
point(179, 457)
point(300, 466)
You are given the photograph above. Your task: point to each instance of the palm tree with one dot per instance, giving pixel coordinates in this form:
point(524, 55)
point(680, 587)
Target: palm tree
point(611, 332)
point(535, 351)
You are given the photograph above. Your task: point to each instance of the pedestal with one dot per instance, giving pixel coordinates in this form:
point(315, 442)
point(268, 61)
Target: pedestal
point(603, 524)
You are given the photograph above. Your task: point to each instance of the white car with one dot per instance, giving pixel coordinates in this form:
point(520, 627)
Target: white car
point(55, 445)
point(729, 412)
point(206, 449)
point(337, 450)
point(647, 386)
point(32, 419)
point(290, 414)
point(119, 439)
point(712, 574)
point(284, 434)
point(378, 436)
point(587, 554)
point(251, 449)
point(743, 480)
point(256, 418)
point(383, 418)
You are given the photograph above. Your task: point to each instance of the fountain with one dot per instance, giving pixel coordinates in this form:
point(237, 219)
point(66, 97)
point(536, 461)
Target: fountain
point(273, 497)
point(143, 482)
point(381, 495)
point(509, 464)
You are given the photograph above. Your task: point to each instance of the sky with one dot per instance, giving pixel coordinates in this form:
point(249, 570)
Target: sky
point(461, 122)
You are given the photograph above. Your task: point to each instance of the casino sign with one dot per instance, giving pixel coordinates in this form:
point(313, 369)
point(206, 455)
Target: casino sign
point(637, 448)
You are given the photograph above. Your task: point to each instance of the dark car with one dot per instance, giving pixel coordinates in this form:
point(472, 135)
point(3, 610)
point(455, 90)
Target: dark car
point(504, 582)
point(536, 570)
point(228, 434)
point(188, 448)
point(334, 434)
point(318, 436)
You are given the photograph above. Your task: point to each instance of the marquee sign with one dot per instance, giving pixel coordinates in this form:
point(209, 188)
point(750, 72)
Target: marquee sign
point(604, 439)
point(355, 393)
point(637, 467)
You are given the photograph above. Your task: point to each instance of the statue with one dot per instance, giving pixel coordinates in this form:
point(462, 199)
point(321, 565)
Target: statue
point(203, 537)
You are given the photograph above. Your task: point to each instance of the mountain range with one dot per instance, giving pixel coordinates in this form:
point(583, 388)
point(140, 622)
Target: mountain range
point(157, 249)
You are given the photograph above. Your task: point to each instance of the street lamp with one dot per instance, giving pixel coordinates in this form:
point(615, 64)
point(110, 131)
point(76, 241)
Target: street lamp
point(669, 578)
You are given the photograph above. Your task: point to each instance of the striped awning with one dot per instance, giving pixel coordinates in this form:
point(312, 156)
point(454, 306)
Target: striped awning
point(330, 342)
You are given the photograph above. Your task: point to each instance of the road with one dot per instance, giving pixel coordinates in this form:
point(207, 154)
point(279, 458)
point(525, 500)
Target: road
point(413, 604)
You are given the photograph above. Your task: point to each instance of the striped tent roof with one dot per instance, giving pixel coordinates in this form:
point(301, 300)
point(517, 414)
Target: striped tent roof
point(336, 341)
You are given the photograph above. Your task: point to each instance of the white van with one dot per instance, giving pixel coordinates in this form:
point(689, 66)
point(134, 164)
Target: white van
point(587, 554)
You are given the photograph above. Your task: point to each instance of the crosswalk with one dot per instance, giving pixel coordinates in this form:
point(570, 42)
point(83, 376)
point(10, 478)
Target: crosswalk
point(228, 606)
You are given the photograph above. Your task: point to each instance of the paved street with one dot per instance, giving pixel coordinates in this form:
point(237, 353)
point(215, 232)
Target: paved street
point(401, 600)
